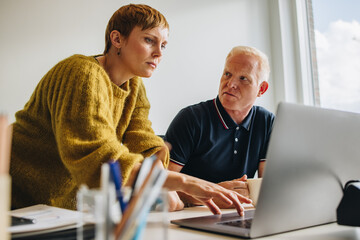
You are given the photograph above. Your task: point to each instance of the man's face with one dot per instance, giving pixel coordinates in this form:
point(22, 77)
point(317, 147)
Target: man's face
point(239, 84)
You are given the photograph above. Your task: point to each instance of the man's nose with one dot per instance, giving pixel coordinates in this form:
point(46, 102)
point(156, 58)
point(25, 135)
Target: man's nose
point(232, 83)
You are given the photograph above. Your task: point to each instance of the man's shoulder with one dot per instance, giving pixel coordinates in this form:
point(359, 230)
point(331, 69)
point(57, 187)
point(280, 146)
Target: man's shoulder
point(200, 106)
point(263, 112)
point(196, 111)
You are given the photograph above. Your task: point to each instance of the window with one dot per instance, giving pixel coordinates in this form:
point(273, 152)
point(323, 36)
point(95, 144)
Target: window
point(335, 46)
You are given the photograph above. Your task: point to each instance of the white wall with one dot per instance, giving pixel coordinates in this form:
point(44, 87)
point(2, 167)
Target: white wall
point(36, 34)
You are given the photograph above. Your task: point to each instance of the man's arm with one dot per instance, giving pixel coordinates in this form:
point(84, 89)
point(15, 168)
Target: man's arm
point(261, 168)
point(174, 167)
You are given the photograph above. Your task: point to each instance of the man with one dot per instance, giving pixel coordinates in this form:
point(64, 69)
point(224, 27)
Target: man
point(226, 138)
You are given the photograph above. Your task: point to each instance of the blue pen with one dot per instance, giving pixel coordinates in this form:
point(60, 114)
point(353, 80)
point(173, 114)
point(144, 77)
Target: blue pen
point(116, 176)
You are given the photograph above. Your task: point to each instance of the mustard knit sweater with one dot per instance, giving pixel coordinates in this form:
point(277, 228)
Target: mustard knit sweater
point(75, 120)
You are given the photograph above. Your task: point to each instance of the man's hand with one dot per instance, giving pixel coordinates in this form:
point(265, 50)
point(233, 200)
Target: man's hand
point(238, 185)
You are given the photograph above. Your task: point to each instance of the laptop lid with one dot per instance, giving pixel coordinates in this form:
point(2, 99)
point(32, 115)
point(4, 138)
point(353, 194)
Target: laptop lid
point(312, 153)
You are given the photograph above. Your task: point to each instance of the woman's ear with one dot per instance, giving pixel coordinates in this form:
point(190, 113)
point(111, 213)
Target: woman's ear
point(116, 38)
point(263, 87)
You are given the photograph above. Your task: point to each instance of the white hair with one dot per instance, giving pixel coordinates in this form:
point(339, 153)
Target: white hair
point(251, 51)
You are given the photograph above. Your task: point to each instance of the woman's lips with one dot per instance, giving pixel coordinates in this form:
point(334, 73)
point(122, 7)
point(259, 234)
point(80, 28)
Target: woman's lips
point(153, 65)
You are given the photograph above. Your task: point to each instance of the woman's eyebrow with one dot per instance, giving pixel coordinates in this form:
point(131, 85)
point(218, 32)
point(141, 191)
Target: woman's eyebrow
point(154, 36)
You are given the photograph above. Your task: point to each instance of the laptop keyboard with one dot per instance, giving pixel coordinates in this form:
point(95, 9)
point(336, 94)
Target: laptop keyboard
point(244, 223)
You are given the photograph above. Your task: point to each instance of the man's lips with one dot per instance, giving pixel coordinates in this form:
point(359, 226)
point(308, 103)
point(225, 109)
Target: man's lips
point(229, 94)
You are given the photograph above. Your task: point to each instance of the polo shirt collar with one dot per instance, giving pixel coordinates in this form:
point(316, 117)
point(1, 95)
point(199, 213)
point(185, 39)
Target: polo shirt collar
point(227, 121)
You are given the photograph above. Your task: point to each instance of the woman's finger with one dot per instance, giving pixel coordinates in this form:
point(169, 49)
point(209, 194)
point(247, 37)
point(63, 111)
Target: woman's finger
point(212, 206)
point(236, 202)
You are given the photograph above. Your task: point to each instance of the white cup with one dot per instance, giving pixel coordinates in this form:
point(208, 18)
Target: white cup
point(5, 195)
point(254, 185)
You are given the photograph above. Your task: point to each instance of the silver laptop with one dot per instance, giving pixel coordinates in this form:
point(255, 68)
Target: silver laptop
point(312, 153)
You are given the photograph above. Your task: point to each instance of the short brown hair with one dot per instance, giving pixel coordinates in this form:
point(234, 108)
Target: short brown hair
point(127, 17)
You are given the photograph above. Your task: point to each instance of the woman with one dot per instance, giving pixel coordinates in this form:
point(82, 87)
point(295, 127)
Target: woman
point(89, 109)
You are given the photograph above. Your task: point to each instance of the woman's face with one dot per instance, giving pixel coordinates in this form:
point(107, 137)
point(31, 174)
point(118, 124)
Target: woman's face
point(143, 49)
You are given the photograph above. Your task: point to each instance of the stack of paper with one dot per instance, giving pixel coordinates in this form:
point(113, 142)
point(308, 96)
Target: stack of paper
point(49, 223)
point(57, 223)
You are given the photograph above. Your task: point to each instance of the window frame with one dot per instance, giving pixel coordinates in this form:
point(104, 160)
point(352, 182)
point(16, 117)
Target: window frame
point(293, 52)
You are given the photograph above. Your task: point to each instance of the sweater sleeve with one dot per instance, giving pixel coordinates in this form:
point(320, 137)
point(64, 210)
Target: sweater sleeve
point(82, 121)
point(140, 136)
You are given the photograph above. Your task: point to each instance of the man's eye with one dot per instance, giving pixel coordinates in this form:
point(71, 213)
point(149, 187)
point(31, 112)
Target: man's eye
point(227, 74)
point(243, 78)
point(149, 40)
point(163, 46)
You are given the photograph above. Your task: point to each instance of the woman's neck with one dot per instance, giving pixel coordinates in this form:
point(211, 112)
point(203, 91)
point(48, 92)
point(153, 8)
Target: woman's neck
point(111, 65)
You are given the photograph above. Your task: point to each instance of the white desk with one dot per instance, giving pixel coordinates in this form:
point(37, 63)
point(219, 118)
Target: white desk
point(330, 231)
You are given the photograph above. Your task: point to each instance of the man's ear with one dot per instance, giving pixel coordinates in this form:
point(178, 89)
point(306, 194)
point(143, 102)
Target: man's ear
point(117, 39)
point(263, 88)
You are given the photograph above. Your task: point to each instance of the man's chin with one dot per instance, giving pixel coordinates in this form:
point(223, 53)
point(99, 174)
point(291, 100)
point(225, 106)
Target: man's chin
point(226, 98)
point(228, 104)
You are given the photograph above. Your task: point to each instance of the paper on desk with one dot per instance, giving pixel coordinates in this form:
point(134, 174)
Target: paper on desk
point(47, 217)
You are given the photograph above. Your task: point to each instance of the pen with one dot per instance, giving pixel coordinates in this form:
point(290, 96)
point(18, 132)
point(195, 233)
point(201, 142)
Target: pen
point(116, 177)
point(15, 221)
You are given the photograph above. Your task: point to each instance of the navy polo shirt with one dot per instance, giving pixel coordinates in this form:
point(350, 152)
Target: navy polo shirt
point(211, 146)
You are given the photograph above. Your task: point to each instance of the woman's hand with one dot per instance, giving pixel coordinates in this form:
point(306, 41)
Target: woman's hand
point(203, 192)
point(175, 203)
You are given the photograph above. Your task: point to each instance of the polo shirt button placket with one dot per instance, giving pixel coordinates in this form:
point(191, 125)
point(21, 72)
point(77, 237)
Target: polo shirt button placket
point(236, 140)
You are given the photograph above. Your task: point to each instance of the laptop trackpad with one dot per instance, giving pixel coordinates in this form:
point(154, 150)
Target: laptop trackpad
point(228, 223)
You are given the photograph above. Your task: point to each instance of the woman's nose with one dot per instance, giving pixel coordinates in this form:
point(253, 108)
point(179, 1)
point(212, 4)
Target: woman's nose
point(157, 51)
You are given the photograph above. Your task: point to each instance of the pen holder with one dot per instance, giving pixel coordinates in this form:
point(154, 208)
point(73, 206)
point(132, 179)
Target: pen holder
point(96, 221)
point(157, 222)
point(5, 193)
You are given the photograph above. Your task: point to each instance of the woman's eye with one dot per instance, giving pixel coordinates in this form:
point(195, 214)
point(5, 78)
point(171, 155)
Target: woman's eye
point(227, 74)
point(243, 78)
point(163, 46)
